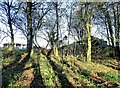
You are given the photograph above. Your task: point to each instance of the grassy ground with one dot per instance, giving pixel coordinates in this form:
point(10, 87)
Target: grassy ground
point(67, 72)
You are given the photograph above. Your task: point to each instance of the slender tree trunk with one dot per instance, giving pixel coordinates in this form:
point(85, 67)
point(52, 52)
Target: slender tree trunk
point(57, 23)
point(109, 24)
point(119, 35)
point(107, 31)
point(11, 29)
point(56, 51)
point(29, 28)
point(110, 28)
point(88, 28)
point(118, 31)
point(69, 26)
point(89, 42)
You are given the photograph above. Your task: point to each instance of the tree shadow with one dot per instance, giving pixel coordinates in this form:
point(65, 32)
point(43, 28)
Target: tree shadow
point(58, 72)
point(17, 59)
point(37, 82)
point(12, 70)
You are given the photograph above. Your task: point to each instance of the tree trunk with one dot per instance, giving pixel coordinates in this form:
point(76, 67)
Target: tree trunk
point(56, 51)
point(11, 29)
point(117, 33)
point(88, 28)
point(89, 42)
point(57, 23)
point(107, 30)
point(29, 29)
point(110, 28)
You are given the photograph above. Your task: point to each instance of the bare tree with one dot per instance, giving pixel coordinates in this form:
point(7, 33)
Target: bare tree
point(9, 10)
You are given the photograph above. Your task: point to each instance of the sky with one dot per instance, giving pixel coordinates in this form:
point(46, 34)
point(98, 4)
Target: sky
point(20, 38)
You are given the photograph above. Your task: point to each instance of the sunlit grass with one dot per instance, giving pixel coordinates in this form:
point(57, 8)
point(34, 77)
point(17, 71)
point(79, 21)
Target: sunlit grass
point(111, 76)
point(49, 77)
point(78, 72)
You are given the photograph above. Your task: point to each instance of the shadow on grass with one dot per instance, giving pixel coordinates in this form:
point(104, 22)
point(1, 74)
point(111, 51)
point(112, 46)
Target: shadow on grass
point(15, 62)
point(37, 82)
point(12, 72)
point(58, 72)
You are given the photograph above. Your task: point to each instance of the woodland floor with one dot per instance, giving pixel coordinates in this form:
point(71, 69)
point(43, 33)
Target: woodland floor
point(66, 72)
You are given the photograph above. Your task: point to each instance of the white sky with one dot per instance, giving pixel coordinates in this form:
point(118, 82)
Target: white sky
point(21, 38)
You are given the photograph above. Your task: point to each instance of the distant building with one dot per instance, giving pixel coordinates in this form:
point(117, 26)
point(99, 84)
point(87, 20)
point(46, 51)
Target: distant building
point(66, 40)
point(16, 45)
point(77, 46)
point(74, 40)
point(98, 42)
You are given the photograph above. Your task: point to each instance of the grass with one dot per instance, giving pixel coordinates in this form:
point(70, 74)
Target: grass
point(46, 72)
point(111, 76)
point(57, 72)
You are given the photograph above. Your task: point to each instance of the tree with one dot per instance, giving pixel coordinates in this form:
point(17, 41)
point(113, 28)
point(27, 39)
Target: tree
point(88, 27)
point(30, 22)
point(52, 26)
point(9, 11)
point(117, 27)
point(78, 27)
point(86, 15)
point(57, 27)
point(109, 18)
point(29, 28)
